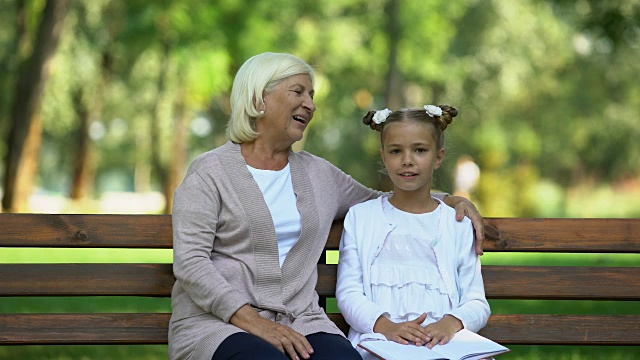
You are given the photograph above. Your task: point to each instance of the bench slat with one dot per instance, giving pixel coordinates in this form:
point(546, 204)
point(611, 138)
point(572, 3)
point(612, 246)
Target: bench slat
point(154, 231)
point(86, 279)
point(564, 329)
point(501, 282)
point(554, 329)
point(538, 282)
point(578, 235)
point(151, 328)
point(541, 235)
point(562, 282)
point(81, 329)
point(107, 231)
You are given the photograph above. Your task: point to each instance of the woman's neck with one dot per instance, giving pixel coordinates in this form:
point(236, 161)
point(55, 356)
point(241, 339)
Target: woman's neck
point(260, 155)
point(413, 202)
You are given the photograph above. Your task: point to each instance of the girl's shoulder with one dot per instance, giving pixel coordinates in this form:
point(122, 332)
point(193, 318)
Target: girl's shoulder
point(449, 213)
point(372, 204)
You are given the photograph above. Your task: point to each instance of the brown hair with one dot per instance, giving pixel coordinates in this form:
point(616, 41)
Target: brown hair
point(439, 123)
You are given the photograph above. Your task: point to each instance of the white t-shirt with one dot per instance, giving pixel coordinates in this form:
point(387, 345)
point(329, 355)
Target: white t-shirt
point(277, 190)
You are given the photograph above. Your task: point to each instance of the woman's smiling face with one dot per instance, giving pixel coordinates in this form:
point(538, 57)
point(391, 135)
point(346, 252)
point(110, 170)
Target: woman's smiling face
point(288, 109)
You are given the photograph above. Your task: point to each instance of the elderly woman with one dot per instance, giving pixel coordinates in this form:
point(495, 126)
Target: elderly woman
point(250, 221)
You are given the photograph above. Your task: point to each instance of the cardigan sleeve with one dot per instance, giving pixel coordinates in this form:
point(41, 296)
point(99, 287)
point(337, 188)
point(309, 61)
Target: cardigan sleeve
point(350, 191)
point(195, 219)
point(359, 312)
point(473, 309)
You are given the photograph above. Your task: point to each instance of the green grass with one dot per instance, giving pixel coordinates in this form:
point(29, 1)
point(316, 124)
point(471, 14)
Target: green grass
point(85, 352)
point(148, 352)
point(71, 255)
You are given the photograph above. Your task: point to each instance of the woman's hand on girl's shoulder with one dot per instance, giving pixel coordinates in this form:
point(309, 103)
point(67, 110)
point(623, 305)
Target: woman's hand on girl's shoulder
point(463, 208)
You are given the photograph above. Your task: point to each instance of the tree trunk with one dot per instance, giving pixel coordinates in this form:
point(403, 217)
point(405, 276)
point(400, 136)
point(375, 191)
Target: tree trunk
point(159, 167)
point(85, 164)
point(28, 171)
point(9, 64)
point(393, 95)
point(180, 148)
point(15, 57)
point(32, 77)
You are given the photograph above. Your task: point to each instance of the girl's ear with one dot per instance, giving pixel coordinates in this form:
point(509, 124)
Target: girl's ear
point(439, 158)
point(382, 156)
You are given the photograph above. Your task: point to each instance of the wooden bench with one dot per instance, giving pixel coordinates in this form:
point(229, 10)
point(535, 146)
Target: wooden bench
point(155, 280)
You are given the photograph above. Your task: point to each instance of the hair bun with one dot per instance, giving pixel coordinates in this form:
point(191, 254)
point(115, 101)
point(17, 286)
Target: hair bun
point(448, 113)
point(368, 120)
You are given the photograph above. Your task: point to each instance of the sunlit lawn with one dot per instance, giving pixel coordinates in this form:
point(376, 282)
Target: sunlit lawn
point(122, 304)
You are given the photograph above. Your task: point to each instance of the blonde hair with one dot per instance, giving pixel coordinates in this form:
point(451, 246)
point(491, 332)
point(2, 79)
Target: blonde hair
point(258, 75)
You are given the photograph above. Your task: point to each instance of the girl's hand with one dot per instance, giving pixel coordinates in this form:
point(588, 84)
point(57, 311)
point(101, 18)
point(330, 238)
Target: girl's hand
point(443, 330)
point(404, 332)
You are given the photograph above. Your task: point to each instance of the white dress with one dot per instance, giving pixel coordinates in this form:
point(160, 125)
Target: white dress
point(404, 274)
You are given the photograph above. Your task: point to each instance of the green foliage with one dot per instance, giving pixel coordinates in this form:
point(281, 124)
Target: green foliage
point(547, 90)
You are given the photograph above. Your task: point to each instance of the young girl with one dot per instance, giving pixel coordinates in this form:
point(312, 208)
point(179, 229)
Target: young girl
point(408, 272)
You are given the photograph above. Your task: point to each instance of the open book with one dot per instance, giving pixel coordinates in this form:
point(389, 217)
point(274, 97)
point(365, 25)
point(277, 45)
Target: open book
point(465, 345)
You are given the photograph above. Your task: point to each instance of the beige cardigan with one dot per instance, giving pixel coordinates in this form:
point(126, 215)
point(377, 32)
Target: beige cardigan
point(226, 251)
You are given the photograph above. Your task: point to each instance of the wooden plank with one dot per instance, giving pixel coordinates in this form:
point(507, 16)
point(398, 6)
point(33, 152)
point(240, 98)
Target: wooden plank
point(550, 235)
point(86, 279)
point(154, 231)
point(108, 231)
point(333, 240)
point(562, 282)
point(563, 235)
point(538, 282)
point(84, 329)
point(554, 329)
point(81, 329)
point(501, 282)
point(564, 329)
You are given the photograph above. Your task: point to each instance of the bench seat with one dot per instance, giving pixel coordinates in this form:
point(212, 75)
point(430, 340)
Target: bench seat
point(504, 235)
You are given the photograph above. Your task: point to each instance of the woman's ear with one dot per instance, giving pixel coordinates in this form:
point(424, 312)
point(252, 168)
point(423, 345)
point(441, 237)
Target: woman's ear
point(260, 102)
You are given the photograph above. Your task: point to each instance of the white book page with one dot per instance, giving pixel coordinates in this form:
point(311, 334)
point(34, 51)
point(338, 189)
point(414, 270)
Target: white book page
point(465, 345)
point(392, 350)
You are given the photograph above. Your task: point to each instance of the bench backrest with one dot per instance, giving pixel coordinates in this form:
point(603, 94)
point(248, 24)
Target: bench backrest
point(155, 280)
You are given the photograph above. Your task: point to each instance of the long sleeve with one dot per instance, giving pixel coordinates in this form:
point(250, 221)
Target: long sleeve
point(351, 192)
point(473, 308)
point(357, 309)
point(195, 220)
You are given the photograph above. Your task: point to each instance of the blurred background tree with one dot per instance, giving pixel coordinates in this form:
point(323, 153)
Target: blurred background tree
point(548, 93)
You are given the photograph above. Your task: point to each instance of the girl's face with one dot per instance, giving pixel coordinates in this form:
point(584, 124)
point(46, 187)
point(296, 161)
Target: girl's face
point(410, 154)
point(288, 109)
